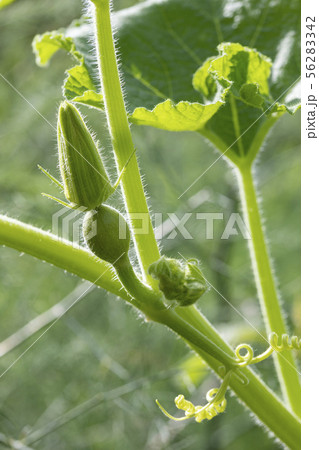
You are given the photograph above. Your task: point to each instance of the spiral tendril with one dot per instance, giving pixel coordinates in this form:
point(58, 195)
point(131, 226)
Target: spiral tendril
point(248, 356)
point(216, 401)
point(287, 343)
point(276, 343)
point(216, 404)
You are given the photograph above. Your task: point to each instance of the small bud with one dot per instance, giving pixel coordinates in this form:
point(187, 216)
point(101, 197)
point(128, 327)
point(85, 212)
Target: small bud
point(85, 180)
point(179, 280)
point(106, 233)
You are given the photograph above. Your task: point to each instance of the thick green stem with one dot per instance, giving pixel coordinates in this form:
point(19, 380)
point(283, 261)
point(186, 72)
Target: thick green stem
point(50, 248)
point(150, 302)
point(121, 137)
point(186, 322)
point(269, 301)
point(45, 246)
point(145, 297)
point(133, 193)
point(192, 335)
point(255, 394)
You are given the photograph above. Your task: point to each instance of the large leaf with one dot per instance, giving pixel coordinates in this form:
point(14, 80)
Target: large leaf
point(78, 85)
point(163, 43)
point(183, 116)
point(245, 71)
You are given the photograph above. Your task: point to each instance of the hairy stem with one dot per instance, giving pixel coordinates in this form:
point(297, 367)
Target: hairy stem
point(45, 246)
point(192, 335)
point(186, 322)
point(50, 248)
point(133, 193)
point(254, 394)
point(269, 301)
point(284, 362)
point(145, 297)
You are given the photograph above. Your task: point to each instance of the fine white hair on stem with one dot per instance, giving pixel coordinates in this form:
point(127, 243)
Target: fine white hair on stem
point(89, 9)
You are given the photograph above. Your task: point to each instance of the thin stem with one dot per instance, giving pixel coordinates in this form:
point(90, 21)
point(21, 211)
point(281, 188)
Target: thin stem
point(133, 193)
point(285, 364)
point(269, 301)
point(223, 387)
point(45, 318)
point(263, 356)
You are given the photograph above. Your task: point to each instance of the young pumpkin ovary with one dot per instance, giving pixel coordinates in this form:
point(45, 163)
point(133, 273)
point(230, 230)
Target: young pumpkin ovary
point(106, 233)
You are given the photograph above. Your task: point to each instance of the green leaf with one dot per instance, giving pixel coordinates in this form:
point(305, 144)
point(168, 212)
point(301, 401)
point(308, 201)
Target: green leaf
point(247, 72)
point(162, 44)
point(183, 116)
point(78, 85)
point(80, 88)
point(203, 81)
point(250, 94)
point(241, 65)
point(46, 45)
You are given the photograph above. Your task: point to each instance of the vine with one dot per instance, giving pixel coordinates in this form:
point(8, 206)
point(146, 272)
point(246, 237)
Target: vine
point(216, 401)
point(166, 289)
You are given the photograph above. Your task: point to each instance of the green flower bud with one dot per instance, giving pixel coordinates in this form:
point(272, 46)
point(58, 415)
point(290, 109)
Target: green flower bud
point(106, 233)
point(179, 280)
point(85, 180)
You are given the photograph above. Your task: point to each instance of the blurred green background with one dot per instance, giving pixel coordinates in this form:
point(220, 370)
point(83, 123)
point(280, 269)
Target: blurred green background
point(101, 344)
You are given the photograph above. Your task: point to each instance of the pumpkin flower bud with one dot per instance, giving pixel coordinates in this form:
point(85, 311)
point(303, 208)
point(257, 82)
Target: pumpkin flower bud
point(179, 280)
point(85, 180)
point(107, 234)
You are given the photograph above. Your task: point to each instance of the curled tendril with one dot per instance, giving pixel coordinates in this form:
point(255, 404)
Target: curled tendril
point(216, 404)
point(293, 343)
point(247, 357)
point(276, 343)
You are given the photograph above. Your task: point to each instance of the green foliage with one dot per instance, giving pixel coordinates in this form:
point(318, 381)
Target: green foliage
point(161, 65)
point(49, 43)
point(143, 80)
point(78, 85)
point(240, 66)
point(183, 116)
